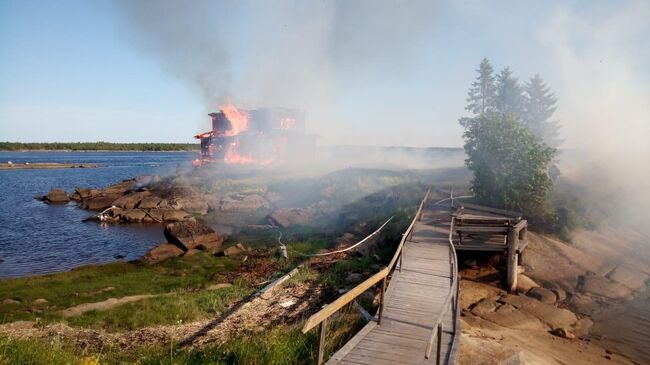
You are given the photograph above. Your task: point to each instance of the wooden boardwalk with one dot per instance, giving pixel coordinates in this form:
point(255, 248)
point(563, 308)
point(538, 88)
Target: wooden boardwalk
point(414, 300)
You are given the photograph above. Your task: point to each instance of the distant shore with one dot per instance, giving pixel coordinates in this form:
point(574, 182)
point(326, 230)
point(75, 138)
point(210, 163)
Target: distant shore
point(96, 147)
point(44, 165)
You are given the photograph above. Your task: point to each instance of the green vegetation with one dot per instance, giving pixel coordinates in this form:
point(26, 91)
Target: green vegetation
point(511, 142)
point(86, 284)
point(510, 164)
point(96, 146)
point(284, 344)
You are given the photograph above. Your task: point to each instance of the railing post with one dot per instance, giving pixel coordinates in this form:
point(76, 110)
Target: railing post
point(321, 341)
point(438, 356)
point(401, 254)
point(381, 300)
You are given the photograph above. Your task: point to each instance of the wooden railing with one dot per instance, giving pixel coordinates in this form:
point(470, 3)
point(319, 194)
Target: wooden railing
point(451, 299)
point(322, 316)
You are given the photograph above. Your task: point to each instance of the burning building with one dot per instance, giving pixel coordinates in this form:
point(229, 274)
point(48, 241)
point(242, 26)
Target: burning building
point(259, 136)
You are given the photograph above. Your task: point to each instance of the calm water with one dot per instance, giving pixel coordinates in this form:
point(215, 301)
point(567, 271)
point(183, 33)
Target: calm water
point(37, 238)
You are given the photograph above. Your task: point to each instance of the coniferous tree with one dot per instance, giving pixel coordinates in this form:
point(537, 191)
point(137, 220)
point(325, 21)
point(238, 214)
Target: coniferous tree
point(509, 95)
point(539, 106)
point(481, 96)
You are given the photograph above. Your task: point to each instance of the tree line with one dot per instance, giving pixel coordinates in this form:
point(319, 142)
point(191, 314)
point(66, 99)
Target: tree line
point(96, 146)
point(511, 141)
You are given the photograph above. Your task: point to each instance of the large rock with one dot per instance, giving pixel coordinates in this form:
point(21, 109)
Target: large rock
point(192, 204)
point(82, 193)
point(99, 203)
point(632, 279)
point(602, 286)
point(153, 202)
point(287, 217)
point(131, 200)
point(472, 292)
point(243, 202)
point(234, 250)
point(484, 307)
point(552, 316)
point(524, 283)
point(133, 215)
point(161, 252)
point(511, 317)
point(57, 196)
point(189, 235)
point(543, 295)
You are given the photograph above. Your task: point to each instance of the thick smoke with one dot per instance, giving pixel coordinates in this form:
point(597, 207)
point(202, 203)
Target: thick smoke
point(299, 54)
point(605, 103)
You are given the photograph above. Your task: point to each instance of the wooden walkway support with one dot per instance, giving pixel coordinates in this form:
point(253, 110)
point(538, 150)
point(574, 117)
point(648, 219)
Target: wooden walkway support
point(417, 321)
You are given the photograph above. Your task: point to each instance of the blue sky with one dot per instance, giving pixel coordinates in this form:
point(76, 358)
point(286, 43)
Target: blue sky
point(102, 70)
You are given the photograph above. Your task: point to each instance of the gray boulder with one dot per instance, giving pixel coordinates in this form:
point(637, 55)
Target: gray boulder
point(190, 235)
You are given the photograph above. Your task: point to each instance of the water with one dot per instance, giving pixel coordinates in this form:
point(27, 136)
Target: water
point(37, 238)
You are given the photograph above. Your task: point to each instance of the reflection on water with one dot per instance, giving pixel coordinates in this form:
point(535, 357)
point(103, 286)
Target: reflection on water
point(37, 238)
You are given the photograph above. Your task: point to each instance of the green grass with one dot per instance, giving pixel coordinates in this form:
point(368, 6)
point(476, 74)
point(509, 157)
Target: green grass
point(280, 345)
point(84, 285)
point(169, 309)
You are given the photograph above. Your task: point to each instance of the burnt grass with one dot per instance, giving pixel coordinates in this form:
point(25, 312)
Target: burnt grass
point(362, 199)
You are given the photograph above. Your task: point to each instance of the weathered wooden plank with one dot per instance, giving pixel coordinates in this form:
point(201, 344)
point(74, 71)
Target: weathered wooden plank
point(413, 302)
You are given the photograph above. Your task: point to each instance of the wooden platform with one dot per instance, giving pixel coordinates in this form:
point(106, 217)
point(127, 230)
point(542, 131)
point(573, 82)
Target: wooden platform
point(414, 299)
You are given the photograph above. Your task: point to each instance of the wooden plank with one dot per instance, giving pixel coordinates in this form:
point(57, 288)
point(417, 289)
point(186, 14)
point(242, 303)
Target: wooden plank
point(413, 303)
point(482, 229)
point(343, 300)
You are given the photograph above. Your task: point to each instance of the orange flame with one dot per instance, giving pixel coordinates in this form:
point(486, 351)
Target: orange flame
point(238, 119)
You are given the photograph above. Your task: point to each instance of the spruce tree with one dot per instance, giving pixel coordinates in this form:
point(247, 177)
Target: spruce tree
point(539, 106)
point(509, 95)
point(481, 95)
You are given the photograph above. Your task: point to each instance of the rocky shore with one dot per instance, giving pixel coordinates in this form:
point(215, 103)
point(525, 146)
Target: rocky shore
point(560, 290)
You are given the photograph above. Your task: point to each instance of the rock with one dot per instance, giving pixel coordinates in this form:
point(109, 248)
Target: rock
point(99, 203)
point(511, 317)
point(634, 280)
point(10, 301)
point(602, 286)
point(563, 332)
point(189, 235)
point(161, 252)
point(194, 204)
point(477, 349)
point(191, 252)
point(40, 302)
point(472, 292)
point(57, 196)
point(131, 200)
point(287, 217)
point(218, 286)
point(484, 307)
point(524, 283)
point(559, 293)
point(243, 202)
point(353, 278)
point(543, 295)
point(583, 303)
point(82, 193)
point(234, 250)
point(169, 215)
point(133, 215)
point(153, 202)
point(552, 316)
point(582, 326)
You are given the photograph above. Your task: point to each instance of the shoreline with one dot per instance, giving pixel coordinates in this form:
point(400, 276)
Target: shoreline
point(45, 165)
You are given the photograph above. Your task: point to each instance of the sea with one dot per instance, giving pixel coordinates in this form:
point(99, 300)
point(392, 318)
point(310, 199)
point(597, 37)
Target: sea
point(38, 238)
